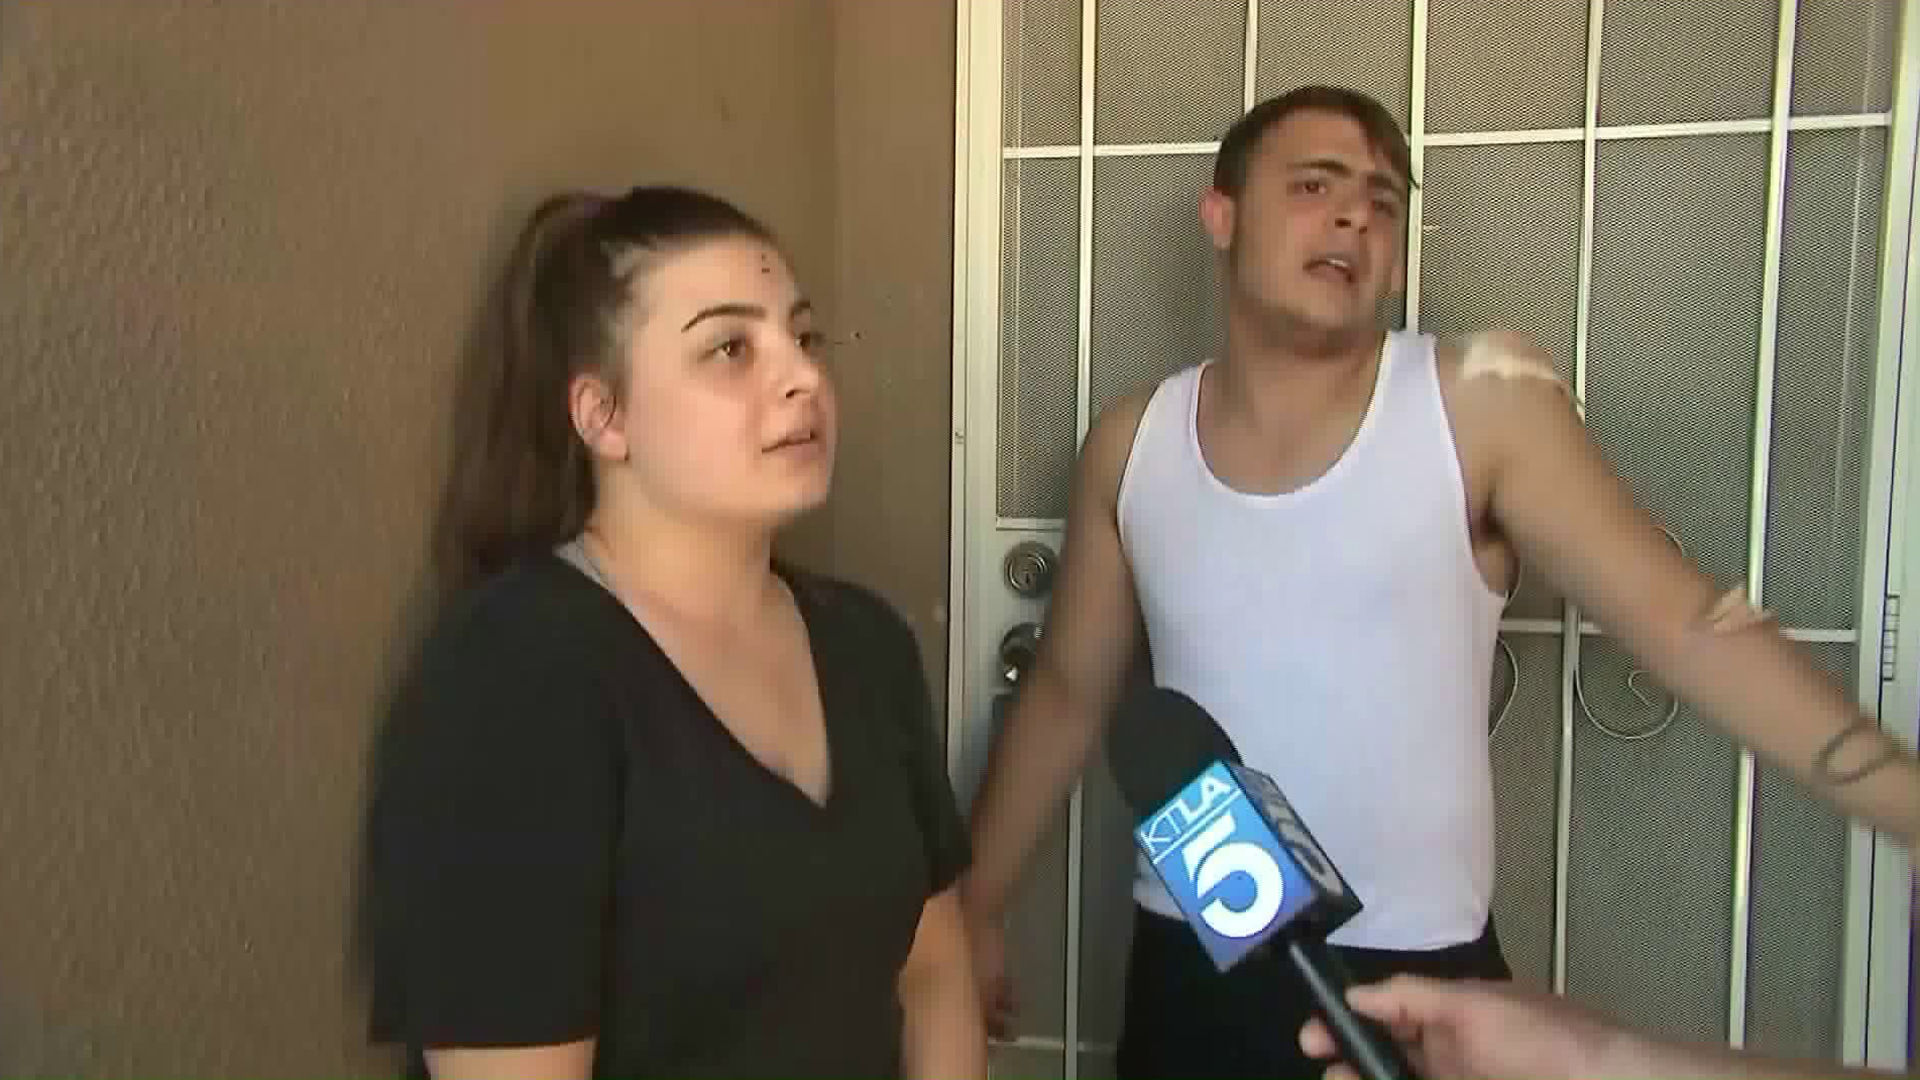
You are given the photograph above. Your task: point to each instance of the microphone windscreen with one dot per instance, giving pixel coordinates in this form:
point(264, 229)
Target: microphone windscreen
point(1158, 742)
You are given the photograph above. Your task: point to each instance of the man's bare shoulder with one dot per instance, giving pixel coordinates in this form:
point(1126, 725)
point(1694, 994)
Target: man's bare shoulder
point(1499, 377)
point(1503, 396)
point(1109, 443)
point(1494, 360)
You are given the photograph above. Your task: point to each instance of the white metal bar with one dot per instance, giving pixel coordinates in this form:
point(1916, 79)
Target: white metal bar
point(957, 516)
point(978, 253)
point(1498, 138)
point(1048, 1043)
point(1813, 635)
point(1875, 981)
point(1029, 524)
point(1417, 140)
point(1686, 130)
point(981, 317)
point(1891, 924)
point(1191, 149)
point(1742, 921)
point(1076, 803)
point(1570, 643)
point(1037, 153)
point(1250, 85)
point(1824, 637)
point(1505, 138)
point(1089, 15)
point(1840, 120)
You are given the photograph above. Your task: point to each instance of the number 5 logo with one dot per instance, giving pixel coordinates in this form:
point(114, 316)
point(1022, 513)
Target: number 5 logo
point(1211, 858)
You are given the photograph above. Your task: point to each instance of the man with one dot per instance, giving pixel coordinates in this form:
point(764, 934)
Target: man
point(1469, 1030)
point(1316, 533)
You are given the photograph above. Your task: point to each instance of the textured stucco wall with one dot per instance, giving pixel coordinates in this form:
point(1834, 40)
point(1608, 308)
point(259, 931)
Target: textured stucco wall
point(239, 247)
point(893, 284)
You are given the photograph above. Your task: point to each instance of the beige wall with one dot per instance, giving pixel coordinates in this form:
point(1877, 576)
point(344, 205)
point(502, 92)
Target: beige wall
point(239, 247)
point(893, 283)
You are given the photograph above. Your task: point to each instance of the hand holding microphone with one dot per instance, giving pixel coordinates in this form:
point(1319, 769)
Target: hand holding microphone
point(1238, 861)
point(1473, 1030)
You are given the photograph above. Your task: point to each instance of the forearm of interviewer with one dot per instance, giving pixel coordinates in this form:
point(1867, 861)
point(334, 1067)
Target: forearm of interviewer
point(1638, 1055)
point(942, 1035)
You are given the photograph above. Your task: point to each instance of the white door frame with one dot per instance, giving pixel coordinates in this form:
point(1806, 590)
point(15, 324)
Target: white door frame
point(1882, 881)
point(1880, 893)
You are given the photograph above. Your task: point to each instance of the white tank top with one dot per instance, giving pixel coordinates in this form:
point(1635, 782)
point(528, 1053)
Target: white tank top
point(1343, 636)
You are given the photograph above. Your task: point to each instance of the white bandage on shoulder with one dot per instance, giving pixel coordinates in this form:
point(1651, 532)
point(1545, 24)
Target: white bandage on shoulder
point(1732, 612)
point(1506, 356)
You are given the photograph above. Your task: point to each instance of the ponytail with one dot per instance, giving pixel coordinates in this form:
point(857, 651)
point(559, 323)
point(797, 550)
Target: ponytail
point(522, 480)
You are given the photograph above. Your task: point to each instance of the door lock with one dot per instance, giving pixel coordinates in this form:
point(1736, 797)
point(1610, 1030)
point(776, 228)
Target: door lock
point(1018, 647)
point(1029, 568)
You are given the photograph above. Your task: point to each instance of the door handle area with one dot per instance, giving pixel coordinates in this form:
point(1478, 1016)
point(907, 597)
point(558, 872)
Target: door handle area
point(1029, 568)
point(1018, 647)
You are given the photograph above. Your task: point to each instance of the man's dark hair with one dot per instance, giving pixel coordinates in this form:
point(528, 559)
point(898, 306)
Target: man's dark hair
point(1237, 146)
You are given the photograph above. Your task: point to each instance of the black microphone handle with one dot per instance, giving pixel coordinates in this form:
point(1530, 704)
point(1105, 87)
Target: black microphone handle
point(1363, 1043)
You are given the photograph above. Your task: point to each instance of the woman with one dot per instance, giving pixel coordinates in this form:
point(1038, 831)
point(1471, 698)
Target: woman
point(655, 804)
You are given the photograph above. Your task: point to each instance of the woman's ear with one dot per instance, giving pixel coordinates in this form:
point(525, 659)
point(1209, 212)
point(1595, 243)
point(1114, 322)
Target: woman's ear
point(596, 418)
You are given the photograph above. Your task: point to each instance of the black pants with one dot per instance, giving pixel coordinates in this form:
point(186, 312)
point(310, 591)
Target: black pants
point(1186, 1019)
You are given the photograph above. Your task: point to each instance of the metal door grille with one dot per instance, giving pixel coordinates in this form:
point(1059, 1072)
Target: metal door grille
point(1039, 338)
point(1823, 388)
point(1704, 60)
point(1685, 205)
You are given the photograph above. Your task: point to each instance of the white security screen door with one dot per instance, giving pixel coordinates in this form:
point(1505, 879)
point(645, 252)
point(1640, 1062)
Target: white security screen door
point(1703, 210)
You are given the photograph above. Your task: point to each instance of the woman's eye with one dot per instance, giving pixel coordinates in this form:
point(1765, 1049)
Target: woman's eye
point(733, 348)
point(811, 340)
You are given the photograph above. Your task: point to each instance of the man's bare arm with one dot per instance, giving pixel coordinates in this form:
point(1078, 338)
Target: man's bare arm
point(1567, 513)
point(1091, 636)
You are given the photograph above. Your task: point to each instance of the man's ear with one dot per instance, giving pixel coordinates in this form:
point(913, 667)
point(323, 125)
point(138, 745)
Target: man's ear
point(596, 417)
point(1217, 209)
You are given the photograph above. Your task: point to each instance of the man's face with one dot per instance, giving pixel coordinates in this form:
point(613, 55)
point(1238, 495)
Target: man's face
point(1317, 234)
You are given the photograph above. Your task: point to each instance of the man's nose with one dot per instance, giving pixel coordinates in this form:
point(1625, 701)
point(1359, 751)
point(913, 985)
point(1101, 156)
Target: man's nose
point(1357, 216)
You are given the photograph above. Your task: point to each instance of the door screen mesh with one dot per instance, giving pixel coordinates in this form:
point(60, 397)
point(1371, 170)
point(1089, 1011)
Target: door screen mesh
point(1667, 63)
point(1506, 67)
point(1823, 394)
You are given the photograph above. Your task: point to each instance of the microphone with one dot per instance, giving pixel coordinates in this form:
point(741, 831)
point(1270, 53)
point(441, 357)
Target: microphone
point(1238, 861)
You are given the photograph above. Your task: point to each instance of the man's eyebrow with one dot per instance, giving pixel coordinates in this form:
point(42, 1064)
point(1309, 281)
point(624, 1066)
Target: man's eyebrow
point(1382, 181)
point(1332, 165)
point(1386, 182)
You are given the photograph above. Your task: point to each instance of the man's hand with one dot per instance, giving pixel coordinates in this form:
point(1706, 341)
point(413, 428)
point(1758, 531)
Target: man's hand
point(1093, 632)
point(988, 940)
point(1468, 1029)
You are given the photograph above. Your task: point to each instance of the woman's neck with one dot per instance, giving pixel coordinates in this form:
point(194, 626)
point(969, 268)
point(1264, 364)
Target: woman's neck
point(697, 572)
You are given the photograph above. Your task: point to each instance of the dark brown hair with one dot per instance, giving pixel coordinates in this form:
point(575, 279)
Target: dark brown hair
point(521, 479)
point(1230, 164)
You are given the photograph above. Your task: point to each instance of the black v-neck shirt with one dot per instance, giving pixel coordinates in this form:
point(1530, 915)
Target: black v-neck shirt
point(566, 843)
